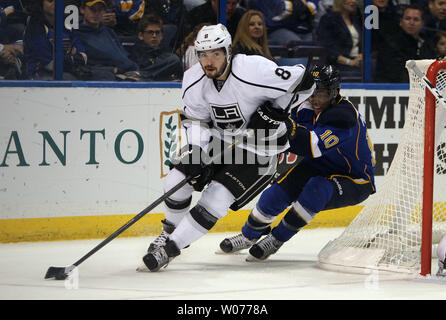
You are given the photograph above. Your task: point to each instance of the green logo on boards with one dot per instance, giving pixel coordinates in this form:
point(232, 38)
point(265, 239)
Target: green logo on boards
point(170, 138)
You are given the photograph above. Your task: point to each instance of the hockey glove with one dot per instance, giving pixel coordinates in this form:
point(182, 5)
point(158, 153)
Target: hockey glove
point(265, 121)
point(266, 117)
point(191, 162)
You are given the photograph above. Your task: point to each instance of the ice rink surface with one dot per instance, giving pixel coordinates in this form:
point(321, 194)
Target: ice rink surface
point(198, 273)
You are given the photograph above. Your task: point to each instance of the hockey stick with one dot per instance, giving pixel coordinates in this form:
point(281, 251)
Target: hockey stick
point(295, 87)
point(62, 273)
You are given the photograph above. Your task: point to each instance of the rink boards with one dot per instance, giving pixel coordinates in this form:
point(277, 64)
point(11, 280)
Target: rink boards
point(78, 160)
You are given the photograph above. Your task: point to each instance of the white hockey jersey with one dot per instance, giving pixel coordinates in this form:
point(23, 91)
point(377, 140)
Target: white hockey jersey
point(252, 81)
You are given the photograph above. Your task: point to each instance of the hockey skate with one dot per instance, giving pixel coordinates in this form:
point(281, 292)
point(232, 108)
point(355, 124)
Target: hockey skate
point(264, 248)
point(236, 243)
point(441, 269)
point(239, 242)
point(160, 241)
point(161, 256)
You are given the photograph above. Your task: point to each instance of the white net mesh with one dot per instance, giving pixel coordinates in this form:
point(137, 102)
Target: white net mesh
point(386, 234)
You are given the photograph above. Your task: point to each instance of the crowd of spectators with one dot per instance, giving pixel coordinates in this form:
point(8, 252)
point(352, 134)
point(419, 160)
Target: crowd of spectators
point(152, 40)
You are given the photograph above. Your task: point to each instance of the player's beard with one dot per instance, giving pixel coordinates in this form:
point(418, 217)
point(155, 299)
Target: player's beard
point(215, 73)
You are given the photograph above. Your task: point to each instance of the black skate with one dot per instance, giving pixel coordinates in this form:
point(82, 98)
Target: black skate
point(161, 256)
point(239, 242)
point(236, 243)
point(264, 248)
point(160, 241)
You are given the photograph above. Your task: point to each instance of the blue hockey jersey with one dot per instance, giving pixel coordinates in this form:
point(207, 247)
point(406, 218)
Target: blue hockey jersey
point(335, 141)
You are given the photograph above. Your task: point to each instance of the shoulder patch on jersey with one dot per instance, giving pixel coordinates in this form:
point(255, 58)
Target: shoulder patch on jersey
point(342, 115)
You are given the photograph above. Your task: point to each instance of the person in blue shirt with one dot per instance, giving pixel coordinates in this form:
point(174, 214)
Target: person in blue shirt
point(38, 43)
point(336, 170)
point(107, 58)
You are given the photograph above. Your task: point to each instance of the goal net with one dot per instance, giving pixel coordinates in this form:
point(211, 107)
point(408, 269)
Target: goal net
point(400, 223)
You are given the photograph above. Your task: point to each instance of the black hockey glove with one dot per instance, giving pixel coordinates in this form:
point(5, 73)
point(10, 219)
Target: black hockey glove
point(266, 117)
point(191, 162)
point(265, 121)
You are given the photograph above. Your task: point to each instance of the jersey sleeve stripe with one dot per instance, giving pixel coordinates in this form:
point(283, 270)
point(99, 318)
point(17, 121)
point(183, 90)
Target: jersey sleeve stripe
point(184, 93)
point(359, 133)
point(357, 181)
point(256, 84)
point(314, 147)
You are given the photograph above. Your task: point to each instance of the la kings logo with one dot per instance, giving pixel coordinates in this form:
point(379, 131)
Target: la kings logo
point(228, 117)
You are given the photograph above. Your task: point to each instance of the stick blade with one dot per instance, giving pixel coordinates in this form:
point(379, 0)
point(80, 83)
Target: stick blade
point(58, 273)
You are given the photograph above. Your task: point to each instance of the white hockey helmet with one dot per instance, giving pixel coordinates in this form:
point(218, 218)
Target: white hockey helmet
point(214, 37)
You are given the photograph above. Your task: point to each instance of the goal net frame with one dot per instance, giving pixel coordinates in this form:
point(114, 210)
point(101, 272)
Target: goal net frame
point(341, 255)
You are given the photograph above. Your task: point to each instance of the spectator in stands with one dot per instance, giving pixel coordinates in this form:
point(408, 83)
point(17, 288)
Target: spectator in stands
point(173, 13)
point(187, 49)
point(38, 45)
point(106, 55)
point(287, 21)
point(123, 16)
point(405, 45)
point(15, 20)
point(251, 38)
point(440, 44)
point(208, 13)
point(434, 18)
point(322, 7)
point(340, 32)
point(3, 26)
point(10, 63)
point(388, 23)
point(155, 62)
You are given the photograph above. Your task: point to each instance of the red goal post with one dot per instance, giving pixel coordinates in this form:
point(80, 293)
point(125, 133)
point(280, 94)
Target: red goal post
point(428, 170)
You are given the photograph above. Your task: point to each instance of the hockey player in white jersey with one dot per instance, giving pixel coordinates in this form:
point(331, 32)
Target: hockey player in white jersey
point(224, 97)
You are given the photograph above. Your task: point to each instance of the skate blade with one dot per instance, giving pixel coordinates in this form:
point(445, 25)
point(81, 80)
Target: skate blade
point(251, 258)
point(221, 252)
point(142, 268)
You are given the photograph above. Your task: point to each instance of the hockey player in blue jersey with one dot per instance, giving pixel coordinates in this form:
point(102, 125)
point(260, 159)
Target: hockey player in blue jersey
point(337, 169)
